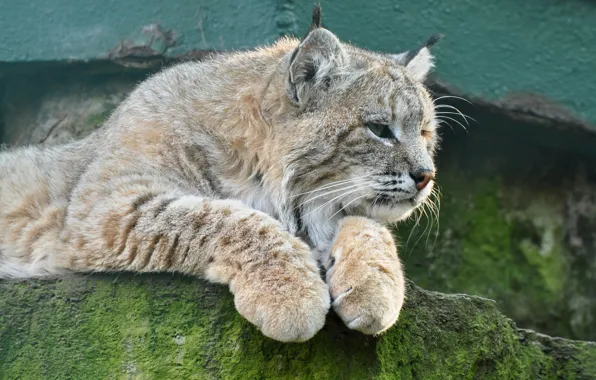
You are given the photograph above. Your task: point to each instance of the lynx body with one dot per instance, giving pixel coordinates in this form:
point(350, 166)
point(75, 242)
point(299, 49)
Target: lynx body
point(248, 169)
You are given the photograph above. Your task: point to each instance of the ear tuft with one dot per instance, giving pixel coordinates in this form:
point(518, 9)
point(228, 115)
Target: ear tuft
point(419, 61)
point(317, 17)
point(432, 40)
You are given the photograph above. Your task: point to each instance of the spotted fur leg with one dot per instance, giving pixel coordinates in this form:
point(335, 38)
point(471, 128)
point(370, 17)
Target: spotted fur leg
point(274, 279)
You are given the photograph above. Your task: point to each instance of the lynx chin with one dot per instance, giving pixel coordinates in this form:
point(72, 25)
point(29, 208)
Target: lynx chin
point(248, 169)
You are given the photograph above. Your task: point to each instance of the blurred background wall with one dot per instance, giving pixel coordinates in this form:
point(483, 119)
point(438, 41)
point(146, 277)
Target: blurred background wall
point(517, 220)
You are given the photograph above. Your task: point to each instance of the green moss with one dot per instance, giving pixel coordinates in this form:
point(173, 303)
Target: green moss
point(550, 263)
point(510, 248)
point(166, 327)
point(324, 357)
point(456, 337)
point(99, 329)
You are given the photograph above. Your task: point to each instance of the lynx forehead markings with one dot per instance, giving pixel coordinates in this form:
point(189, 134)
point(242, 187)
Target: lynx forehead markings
point(245, 169)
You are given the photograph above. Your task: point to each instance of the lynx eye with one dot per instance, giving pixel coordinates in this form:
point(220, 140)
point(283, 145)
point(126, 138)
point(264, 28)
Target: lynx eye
point(380, 130)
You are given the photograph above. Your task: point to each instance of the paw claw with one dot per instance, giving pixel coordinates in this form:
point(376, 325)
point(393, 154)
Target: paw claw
point(288, 303)
point(373, 304)
point(341, 296)
point(372, 275)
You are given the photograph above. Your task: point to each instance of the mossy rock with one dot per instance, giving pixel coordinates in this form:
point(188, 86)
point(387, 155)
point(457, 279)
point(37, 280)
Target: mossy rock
point(517, 228)
point(173, 327)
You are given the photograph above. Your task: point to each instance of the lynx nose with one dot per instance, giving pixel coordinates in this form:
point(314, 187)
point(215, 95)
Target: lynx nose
point(422, 178)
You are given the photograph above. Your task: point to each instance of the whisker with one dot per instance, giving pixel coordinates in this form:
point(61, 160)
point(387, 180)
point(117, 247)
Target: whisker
point(439, 106)
point(442, 105)
point(344, 207)
point(433, 219)
point(331, 184)
point(416, 225)
point(446, 123)
point(450, 113)
point(465, 117)
point(376, 199)
point(437, 197)
point(434, 212)
point(347, 182)
point(455, 113)
point(437, 213)
point(325, 194)
point(333, 199)
point(452, 96)
point(450, 118)
point(427, 223)
point(433, 207)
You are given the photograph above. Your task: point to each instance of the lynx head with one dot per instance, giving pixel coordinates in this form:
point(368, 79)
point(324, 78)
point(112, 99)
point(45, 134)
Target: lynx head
point(357, 130)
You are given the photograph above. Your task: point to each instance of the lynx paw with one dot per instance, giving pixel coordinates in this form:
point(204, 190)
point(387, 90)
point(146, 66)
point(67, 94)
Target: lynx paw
point(286, 298)
point(365, 278)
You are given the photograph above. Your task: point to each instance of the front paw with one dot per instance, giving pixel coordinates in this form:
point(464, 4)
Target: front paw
point(365, 278)
point(286, 298)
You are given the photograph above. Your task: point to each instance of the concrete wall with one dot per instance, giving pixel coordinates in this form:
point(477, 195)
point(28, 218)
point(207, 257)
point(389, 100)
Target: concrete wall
point(499, 50)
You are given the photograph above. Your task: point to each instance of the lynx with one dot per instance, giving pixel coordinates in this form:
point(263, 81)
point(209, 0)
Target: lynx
point(249, 169)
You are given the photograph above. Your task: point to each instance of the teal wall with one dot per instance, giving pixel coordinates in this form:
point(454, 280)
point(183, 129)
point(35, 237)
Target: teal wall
point(494, 48)
point(48, 30)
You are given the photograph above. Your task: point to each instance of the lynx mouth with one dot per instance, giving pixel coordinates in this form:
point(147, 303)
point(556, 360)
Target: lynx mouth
point(384, 199)
point(388, 200)
point(382, 207)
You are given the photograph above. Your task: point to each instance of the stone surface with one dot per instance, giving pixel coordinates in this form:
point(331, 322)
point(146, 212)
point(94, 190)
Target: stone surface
point(57, 109)
point(166, 327)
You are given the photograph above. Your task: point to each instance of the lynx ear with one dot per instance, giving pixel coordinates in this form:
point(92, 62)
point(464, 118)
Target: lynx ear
point(315, 61)
point(419, 61)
